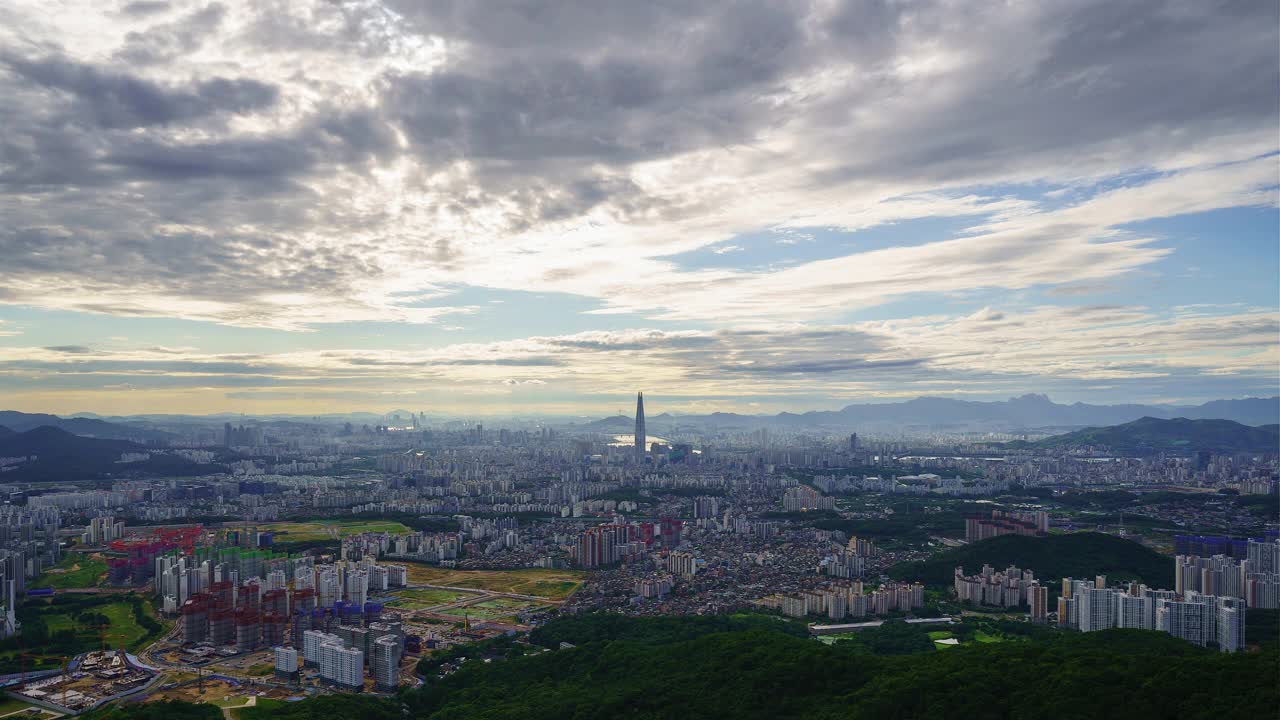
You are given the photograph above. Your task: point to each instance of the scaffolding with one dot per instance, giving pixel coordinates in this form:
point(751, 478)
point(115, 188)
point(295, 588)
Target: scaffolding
point(248, 629)
point(195, 619)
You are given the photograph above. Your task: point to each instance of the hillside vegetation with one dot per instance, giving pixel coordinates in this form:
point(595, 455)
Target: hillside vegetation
point(694, 668)
point(62, 456)
point(1079, 555)
point(1150, 434)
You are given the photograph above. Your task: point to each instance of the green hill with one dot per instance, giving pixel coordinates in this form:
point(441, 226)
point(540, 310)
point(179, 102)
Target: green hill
point(62, 456)
point(1079, 555)
point(691, 668)
point(1148, 435)
point(760, 673)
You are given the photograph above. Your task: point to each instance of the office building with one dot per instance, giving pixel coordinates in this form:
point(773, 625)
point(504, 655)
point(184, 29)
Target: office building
point(640, 436)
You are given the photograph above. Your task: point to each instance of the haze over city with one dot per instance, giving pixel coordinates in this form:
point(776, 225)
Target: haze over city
point(537, 208)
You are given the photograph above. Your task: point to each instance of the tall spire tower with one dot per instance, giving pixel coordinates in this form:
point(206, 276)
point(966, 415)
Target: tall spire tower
point(640, 436)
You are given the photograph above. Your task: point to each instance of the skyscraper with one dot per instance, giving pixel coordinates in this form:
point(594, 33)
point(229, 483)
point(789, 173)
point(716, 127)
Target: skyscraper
point(640, 436)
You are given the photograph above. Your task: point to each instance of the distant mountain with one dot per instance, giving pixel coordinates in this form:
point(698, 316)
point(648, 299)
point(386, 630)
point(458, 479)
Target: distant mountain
point(1150, 434)
point(63, 456)
point(1025, 412)
point(613, 424)
point(88, 427)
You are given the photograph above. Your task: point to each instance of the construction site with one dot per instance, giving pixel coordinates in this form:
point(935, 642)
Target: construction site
point(86, 681)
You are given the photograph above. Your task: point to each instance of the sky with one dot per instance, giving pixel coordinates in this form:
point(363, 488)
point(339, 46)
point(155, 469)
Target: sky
point(477, 208)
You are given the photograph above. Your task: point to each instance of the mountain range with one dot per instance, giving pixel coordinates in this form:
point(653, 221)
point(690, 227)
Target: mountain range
point(86, 427)
point(1024, 412)
point(58, 455)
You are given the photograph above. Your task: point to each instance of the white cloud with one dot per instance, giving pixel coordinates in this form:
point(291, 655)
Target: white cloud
point(284, 165)
point(986, 352)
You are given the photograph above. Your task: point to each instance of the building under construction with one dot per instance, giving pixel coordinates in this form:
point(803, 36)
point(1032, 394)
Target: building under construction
point(195, 619)
point(273, 629)
point(248, 629)
point(275, 602)
point(222, 625)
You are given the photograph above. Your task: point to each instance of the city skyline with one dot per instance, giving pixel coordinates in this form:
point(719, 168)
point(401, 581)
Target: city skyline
point(779, 207)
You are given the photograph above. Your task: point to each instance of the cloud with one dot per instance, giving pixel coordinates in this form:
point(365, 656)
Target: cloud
point(1071, 349)
point(142, 8)
point(296, 165)
point(341, 155)
point(115, 100)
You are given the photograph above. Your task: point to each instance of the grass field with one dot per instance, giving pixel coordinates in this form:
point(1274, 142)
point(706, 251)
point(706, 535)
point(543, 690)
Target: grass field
point(939, 635)
point(540, 582)
point(499, 609)
point(832, 639)
point(328, 529)
point(76, 570)
point(124, 628)
point(9, 705)
point(983, 637)
point(424, 598)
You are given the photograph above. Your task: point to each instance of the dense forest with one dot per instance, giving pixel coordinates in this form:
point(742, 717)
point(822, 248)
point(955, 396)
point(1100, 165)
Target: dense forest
point(1079, 555)
point(752, 667)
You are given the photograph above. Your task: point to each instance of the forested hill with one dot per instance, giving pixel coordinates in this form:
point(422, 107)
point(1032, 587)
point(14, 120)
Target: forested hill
point(59, 456)
point(689, 668)
point(1150, 434)
point(1079, 555)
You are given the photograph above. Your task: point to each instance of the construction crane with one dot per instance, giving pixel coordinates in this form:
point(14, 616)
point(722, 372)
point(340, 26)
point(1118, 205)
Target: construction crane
point(66, 680)
point(103, 634)
point(22, 656)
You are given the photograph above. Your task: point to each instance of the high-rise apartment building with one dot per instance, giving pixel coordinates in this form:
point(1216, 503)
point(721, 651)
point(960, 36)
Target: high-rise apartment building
point(312, 640)
point(341, 666)
point(1038, 598)
point(386, 662)
point(286, 663)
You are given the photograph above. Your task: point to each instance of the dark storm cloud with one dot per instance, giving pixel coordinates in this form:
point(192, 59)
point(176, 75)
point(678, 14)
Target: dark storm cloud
point(528, 109)
point(256, 159)
point(70, 349)
point(1143, 73)
point(201, 267)
point(113, 100)
point(547, 91)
